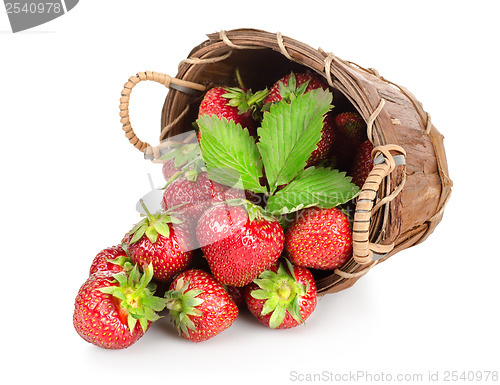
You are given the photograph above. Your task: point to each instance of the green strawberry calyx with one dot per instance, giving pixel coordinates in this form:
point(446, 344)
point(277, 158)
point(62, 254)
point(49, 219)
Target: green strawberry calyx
point(153, 225)
point(187, 157)
point(245, 100)
point(282, 293)
point(291, 91)
point(135, 293)
point(124, 261)
point(182, 304)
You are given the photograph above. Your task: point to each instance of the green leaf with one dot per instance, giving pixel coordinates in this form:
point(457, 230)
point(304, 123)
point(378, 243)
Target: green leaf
point(144, 324)
point(270, 306)
point(131, 322)
point(142, 222)
point(261, 294)
point(265, 284)
point(193, 302)
point(162, 228)
point(320, 187)
point(139, 233)
point(278, 316)
point(122, 278)
point(293, 308)
point(290, 133)
point(230, 153)
point(152, 234)
point(154, 303)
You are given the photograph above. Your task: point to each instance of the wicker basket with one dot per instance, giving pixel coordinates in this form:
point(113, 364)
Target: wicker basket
point(403, 199)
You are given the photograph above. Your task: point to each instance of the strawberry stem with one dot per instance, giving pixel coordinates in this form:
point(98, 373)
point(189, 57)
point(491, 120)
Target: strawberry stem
point(145, 208)
point(238, 77)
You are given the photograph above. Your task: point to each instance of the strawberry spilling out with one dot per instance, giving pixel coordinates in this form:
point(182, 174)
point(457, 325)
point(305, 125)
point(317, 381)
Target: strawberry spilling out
point(113, 311)
point(239, 242)
point(161, 240)
point(199, 306)
point(283, 296)
point(247, 210)
point(112, 259)
point(192, 195)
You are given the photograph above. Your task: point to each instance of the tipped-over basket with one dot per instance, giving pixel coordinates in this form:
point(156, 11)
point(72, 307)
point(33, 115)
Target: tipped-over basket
point(403, 199)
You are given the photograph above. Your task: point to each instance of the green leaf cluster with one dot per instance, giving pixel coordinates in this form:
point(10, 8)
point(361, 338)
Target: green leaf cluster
point(281, 293)
point(135, 291)
point(288, 135)
point(153, 225)
point(183, 304)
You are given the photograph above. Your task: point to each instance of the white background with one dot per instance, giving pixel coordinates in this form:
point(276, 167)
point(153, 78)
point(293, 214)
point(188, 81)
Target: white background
point(71, 181)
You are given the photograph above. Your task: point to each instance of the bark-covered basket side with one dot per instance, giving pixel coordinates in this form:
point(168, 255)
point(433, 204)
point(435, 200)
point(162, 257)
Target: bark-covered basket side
point(397, 118)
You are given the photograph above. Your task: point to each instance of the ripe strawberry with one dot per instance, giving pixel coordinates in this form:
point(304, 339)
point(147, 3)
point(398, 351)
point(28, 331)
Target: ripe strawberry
point(352, 126)
point(363, 163)
point(282, 297)
point(169, 170)
point(325, 144)
point(196, 193)
point(161, 240)
point(112, 259)
point(319, 239)
point(114, 311)
point(239, 243)
point(181, 158)
point(350, 131)
point(293, 85)
point(237, 294)
point(232, 103)
point(199, 306)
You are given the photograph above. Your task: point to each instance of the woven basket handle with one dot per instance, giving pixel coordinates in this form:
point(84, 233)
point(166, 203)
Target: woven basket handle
point(167, 81)
point(385, 163)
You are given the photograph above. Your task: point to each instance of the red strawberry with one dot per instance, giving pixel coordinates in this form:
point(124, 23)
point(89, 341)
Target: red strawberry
point(195, 193)
point(169, 170)
point(182, 157)
point(199, 306)
point(232, 103)
point(237, 294)
point(293, 85)
point(114, 311)
point(319, 239)
point(325, 144)
point(161, 240)
point(352, 126)
point(363, 163)
point(282, 297)
point(239, 243)
point(350, 131)
point(113, 259)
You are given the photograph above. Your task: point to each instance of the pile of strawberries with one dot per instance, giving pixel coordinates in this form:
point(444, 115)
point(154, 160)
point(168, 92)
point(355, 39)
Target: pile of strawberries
point(251, 211)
